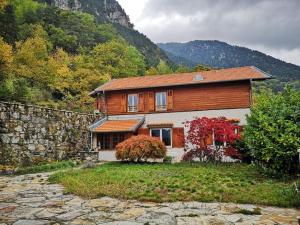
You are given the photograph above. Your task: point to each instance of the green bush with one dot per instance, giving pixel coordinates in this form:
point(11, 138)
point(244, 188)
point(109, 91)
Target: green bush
point(140, 148)
point(273, 131)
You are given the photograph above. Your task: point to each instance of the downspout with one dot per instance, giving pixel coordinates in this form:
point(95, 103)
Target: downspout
point(105, 104)
point(250, 95)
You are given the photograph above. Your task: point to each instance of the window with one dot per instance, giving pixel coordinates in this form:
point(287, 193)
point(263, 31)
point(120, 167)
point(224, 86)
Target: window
point(161, 101)
point(132, 103)
point(164, 134)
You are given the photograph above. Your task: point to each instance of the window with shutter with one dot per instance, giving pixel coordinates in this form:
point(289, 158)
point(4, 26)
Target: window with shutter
point(132, 103)
point(160, 101)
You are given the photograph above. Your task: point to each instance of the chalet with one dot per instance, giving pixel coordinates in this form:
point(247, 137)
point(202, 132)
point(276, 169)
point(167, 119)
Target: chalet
point(158, 105)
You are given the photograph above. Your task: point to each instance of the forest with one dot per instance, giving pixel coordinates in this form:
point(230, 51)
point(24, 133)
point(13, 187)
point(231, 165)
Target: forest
point(54, 58)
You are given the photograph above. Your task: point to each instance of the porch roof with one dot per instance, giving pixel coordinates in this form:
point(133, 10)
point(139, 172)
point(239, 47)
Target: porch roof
point(110, 126)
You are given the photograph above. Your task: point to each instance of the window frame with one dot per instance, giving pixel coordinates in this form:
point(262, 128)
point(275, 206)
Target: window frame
point(161, 107)
point(133, 108)
point(160, 134)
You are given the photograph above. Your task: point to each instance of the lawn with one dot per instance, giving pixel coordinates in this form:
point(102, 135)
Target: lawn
point(237, 183)
point(46, 167)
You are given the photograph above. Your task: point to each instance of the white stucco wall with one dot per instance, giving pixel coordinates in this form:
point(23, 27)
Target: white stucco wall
point(177, 119)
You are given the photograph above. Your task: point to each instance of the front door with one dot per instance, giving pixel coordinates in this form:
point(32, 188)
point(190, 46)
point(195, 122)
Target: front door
point(164, 134)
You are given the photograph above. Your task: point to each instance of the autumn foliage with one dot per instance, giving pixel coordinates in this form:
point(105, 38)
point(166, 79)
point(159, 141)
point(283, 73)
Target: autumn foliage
point(140, 148)
point(209, 139)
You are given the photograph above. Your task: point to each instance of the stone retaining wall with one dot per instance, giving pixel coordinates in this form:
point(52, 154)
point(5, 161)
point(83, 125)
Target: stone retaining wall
point(29, 134)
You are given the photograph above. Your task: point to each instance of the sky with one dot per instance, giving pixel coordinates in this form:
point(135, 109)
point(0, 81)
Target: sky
point(270, 26)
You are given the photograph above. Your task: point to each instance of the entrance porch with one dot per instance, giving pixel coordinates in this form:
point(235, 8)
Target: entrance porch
point(107, 134)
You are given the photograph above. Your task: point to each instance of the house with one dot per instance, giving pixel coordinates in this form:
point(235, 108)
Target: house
point(158, 105)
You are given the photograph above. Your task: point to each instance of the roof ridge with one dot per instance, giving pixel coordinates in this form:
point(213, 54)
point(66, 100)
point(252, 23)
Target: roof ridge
point(176, 79)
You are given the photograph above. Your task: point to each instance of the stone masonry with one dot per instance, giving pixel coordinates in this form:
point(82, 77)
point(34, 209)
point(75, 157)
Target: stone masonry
point(31, 133)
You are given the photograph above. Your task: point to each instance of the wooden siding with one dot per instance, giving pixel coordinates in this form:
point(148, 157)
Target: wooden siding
point(144, 131)
point(229, 95)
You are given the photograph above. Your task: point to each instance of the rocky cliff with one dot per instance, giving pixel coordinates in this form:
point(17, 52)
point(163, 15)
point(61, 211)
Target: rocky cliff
point(103, 10)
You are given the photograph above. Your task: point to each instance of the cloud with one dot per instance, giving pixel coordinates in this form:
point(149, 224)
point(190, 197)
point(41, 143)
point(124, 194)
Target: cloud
point(272, 24)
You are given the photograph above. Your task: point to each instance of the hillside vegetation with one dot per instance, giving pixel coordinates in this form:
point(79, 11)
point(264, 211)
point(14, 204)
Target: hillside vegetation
point(55, 57)
point(222, 55)
point(110, 11)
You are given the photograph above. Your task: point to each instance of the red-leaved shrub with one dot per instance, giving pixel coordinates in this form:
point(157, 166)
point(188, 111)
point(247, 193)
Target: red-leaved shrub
point(209, 139)
point(140, 148)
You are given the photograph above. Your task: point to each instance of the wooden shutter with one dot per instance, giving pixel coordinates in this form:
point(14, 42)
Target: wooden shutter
point(209, 140)
point(151, 101)
point(144, 131)
point(178, 137)
point(170, 100)
point(124, 103)
point(141, 102)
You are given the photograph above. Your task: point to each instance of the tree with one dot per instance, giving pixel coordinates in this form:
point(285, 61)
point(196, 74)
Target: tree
point(118, 59)
point(6, 57)
point(208, 139)
point(152, 71)
point(200, 68)
point(3, 3)
point(31, 60)
point(8, 24)
point(273, 131)
point(25, 10)
point(183, 69)
point(163, 68)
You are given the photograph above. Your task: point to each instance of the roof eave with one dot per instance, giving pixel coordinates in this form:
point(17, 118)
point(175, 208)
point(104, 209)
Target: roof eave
point(185, 84)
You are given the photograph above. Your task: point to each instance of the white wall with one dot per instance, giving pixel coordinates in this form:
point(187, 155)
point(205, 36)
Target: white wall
point(177, 119)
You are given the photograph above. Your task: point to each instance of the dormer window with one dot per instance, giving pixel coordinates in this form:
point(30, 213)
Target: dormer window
point(132, 103)
point(161, 101)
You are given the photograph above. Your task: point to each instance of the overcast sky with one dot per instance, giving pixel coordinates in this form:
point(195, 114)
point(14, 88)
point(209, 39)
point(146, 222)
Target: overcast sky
point(270, 26)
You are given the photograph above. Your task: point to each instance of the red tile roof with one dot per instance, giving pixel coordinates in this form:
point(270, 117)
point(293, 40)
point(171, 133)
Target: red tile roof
point(213, 76)
point(117, 126)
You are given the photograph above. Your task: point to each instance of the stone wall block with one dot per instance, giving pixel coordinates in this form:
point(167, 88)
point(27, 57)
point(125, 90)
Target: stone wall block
point(33, 131)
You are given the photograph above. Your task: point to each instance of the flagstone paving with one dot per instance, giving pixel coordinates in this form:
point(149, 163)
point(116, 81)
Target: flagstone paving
point(31, 200)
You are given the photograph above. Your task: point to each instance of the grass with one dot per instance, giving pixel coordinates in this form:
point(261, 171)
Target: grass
point(236, 183)
point(46, 167)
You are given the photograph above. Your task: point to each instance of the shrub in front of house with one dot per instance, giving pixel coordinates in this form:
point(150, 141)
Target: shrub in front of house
point(273, 131)
point(140, 148)
point(210, 139)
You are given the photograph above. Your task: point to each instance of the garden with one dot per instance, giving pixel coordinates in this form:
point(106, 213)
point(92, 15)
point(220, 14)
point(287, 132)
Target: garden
point(160, 182)
point(265, 169)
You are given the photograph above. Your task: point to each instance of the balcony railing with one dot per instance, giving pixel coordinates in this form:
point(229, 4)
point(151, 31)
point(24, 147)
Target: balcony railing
point(161, 107)
point(132, 108)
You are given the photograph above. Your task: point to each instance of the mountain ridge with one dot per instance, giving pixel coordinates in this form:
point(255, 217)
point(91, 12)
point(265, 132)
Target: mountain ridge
point(219, 54)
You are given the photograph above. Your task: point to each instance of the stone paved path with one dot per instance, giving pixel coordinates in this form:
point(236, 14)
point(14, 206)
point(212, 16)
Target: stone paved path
point(30, 200)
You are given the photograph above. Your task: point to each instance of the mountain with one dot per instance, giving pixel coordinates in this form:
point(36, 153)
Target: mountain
point(103, 10)
point(222, 55)
point(110, 11)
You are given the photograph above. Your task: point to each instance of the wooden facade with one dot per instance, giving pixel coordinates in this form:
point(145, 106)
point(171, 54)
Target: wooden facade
point(228, 95)
point(189, 94)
